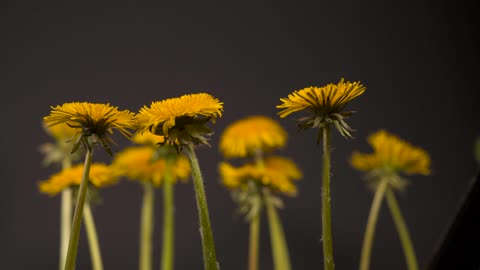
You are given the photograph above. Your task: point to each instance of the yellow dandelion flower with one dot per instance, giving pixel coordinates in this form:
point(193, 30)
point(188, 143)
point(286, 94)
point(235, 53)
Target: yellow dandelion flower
point(137, 163)
point(147, 138)
point(325, 103)
point(277, 173)
point(61, 132)
point(246, 136)
point(181, 120)
point(394, 153)
point(92, 119)
point(100, 176)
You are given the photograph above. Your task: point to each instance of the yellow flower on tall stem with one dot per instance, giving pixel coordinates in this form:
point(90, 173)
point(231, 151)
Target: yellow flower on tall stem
point(392, 156)
point(326, 106)
point(70, 178)
point(254, 183)
point(183, 123)
point(94, 123)
point(153, 167)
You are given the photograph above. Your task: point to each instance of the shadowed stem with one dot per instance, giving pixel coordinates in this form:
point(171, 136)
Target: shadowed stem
point(65, 217)
point(91, 231)
point(168, 219)
point(399, 221)
point(372, 222)
point(146, 227)
point(326, 209)
point(78, 214)
point(209, 255)
point(281, 259)
point(253, 249)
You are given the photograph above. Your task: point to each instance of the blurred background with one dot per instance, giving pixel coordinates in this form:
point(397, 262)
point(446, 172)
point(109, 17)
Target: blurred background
point(418, 60)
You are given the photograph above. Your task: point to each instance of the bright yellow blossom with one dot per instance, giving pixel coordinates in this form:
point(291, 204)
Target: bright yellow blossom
point(147, 138)
point(137, 163)
point(100, 175)
point(254, 133)
point(393, 153)
point(61, 132)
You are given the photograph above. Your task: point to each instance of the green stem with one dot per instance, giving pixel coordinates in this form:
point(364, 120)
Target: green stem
point(146, 227)
point(91, 231)
point(168, 219)
point(399, 221)
point(209, 255)
point(77, 216)
point(326, 215)
point(65, 218)
point(372, 222)
point(253, 250)
point(281, 259)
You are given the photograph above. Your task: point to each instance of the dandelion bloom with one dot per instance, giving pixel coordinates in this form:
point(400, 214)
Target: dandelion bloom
point(137, 163)
point(277, 173)
point(61, 132)
point(147, 138)
point(181, 120)
point(393, 153)
point(100, 175)
point(254, 133)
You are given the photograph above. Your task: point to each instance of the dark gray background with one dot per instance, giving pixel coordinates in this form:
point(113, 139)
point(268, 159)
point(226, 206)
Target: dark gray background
point(418, 60)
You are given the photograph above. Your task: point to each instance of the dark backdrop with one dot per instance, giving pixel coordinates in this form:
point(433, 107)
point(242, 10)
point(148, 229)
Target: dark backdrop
point(418, 60)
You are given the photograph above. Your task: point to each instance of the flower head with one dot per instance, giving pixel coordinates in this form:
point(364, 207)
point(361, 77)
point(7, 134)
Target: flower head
point(61, 132)
point(138, 163)
point(278, 173)
point(325, 103)
point(181, 120)
point(60, 150)
point(93, 120)
point(246, 136)
point(100, 176)
point(392, 153)
point(148, 138)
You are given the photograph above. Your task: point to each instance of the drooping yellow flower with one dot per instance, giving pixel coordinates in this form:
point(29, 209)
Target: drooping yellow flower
point(246, 136)
point(100, 176)
point(147, 138)
point(61, 132)
point(181, 120)
point(277, 173)
point(394, 153)
point(137, 163)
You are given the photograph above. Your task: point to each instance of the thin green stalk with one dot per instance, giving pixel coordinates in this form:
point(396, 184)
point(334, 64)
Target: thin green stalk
point(168, 220)
point(146, 227)
point(91, 231)
point(326, 209)
point(253, 249)
point(399, 221)
point(209, 255)
point(65, 218)
point(281, 259)
point(372, 222)
point(78, 214)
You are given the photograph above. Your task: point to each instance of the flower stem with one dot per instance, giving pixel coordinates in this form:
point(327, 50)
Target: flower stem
point(168, 219)
point(78, 214)
point(253, 250)
point(65, 218)
point(399, 221)
point(146, 227)
point(372, 221)
point(209, 255)
point(326, 215)
point(281, 259)
point(95, 254)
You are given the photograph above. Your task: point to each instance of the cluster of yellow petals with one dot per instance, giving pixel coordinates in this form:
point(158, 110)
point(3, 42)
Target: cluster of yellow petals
point(100, 175)
point(325, 100)
point(96, 117)
point(61, 132)
point(255, 133)
point(276, 172)
point(136, 163)
point(393, 152)
point(164, 113)
point(147, 138)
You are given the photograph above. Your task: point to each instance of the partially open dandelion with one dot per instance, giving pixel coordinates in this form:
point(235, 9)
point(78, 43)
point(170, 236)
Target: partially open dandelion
point(94, 123)
point(326, 106)
point(391, 158)
point(145, 164)
point(183, 123)
point(100, 176)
